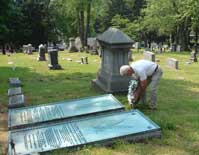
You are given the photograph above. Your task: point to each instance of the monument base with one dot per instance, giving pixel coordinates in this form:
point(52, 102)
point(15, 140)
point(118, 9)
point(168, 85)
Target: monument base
point(41, 59)
point(55, 67)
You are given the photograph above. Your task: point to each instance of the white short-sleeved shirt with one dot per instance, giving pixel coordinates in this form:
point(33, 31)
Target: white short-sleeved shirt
point(143, 68)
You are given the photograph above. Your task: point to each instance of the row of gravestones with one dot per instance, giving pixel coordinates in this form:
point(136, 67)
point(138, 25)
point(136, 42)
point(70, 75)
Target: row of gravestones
point(53, 57)
point(16, 97)
point(16, 100)
point(171, 62)
point(92, 48)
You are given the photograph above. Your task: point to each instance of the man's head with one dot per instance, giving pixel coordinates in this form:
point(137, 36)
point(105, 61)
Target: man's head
point(126, 70)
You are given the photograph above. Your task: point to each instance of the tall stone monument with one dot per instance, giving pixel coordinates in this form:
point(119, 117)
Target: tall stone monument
point(115, 46)
point(53, 59)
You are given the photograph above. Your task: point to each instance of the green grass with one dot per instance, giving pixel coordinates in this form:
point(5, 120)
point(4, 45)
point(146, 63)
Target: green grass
point(178, 99)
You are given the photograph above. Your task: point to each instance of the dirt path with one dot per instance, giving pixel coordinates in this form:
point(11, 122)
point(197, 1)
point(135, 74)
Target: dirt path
point(3, 133)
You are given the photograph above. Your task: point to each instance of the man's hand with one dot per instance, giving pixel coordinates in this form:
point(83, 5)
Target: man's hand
point(143, 85)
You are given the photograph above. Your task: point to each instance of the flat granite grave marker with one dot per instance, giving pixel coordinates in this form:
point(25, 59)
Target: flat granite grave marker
point(14, 91)
point(131, 125)
point(172, 63)
point(16, 101)
point(14, 82)
point(29, 116)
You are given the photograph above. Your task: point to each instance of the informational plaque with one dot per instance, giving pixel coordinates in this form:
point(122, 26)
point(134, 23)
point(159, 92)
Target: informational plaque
point(29, 116)
point(131, 125)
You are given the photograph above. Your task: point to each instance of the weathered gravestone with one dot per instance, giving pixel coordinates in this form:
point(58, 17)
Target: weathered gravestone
point(178, 48)
point(100, 129)
point(115, 46)
point(14, 91)
point(52, 112)
point(72, 47)
point(172, 63)
point(84, 60)
point(53, 59)
point(14, 82)
point(92, 44)
point(130, 56)
point(41, 55)
point(149, 56)
point(78, 44)
point(16, 101)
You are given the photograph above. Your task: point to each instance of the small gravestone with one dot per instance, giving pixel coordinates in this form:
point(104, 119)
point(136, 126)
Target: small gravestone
point(115, 46)
point(78, 44)
point(84, 60)
point(72, 47)
point(173, 47)
point(16, 101)
point(137, 45)
point(53, 59)
point(178, 48)
point(14, 91)
point(149, 56)
point(172, 63)
point(14, 82)
point(41, 55)
point(30, 48)
point(130, 56)
point(25, 48)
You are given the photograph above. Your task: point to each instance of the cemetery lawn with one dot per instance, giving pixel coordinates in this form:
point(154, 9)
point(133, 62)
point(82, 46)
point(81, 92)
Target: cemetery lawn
point(178, 99)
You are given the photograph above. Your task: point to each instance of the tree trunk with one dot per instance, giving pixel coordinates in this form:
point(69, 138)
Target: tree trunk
point(3, 48)
point(87, 33)
point(196, 47)
point(81, 23)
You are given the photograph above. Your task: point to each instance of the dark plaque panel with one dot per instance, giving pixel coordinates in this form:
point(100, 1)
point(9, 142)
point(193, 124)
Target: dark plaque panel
point(28, 116)
point(130, 125)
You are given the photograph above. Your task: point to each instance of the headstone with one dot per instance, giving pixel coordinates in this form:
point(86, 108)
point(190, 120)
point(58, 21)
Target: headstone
point(30, 48)
point(172, 63)
point(93, 46)
point(42, 51)
point(72, 47)
point(178, 48)
point(78, 44)
point(25, 49)
point(30, 116)
point(53, 59)
point(173, 47)
point(84, 60)
point(16, 101)
point(115, 46)
point(14, 91)
point(14, 82)
point(101, 129)
point(137, 45)
point(130, 56)
point(149, 56)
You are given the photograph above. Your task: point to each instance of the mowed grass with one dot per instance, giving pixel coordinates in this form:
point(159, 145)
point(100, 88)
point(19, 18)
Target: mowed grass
point(178, 99)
